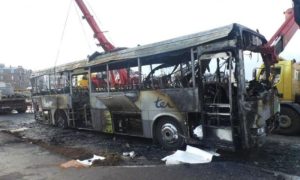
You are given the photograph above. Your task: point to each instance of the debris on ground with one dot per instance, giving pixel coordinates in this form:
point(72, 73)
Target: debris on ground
point(129, 154)
point(110, 160)
point(18, 130)
point(14, 112)
point(198, 132)
point(280, 153)
point(82, 163)
point(73, 163)
point(192, 155)
point(89, 162)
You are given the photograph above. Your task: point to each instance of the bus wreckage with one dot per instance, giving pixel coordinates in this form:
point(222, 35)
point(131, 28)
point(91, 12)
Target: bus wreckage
point(166, 91)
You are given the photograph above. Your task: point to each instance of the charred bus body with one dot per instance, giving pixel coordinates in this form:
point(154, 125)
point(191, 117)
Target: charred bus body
point(170, 92)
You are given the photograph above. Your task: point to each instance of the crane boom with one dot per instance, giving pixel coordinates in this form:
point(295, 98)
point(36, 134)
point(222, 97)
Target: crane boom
point(99, 35)
point(283, 35)
point(104, 43)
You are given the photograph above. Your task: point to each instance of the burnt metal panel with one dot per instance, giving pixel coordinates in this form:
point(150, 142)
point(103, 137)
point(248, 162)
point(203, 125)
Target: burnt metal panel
point(101, 120)
point(185, 99)
point(60, 101)
point(242, 105)
point(127, 123)
point(120, 101)
point(147, 128)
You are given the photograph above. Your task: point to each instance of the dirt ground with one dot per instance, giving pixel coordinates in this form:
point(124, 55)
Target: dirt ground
point(280, 153)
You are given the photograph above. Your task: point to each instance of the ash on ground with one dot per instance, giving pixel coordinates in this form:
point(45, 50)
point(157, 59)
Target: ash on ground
point(280, 153)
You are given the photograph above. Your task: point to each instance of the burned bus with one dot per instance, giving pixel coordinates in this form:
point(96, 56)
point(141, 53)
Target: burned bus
point(175, 91)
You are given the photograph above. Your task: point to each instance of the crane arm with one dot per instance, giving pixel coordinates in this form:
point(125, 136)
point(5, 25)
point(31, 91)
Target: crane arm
point(284, 34)
point(104, 43)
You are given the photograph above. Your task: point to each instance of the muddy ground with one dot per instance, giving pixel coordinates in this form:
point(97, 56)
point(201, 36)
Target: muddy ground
point(280, 153)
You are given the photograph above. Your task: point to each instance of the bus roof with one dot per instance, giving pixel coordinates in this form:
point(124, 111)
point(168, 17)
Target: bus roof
point(61, 68)
point(171, 45)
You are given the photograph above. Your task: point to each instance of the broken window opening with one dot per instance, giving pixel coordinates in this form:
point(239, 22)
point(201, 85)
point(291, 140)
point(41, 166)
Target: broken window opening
point(80, 83)
point(41, 85)
point(59, 83)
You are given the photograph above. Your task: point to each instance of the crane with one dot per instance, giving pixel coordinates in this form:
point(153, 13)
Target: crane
point(99, 35)
point(269, 51)
point(103, 42)
point(283, 35)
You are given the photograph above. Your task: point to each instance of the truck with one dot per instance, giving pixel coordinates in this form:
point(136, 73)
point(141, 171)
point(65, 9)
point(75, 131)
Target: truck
point(286, 79)
point(9, 100)
point(284, 74)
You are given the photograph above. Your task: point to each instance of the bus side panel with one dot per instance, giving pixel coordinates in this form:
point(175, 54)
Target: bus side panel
point(173, 103)
point(37, 106)
point(101, 117)
point(60, 101)
point(46, 106)
point(186, 99)
point(42, 113)
point(147, 105)
point(101, 120)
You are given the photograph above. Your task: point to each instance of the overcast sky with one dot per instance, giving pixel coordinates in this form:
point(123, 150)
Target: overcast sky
point(31, 30)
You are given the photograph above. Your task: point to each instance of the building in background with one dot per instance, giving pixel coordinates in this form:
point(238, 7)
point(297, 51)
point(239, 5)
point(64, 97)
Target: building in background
point(18, 77)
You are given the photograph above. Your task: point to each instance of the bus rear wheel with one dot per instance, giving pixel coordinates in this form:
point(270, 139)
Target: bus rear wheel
point(289, 121)
point(61, 119)
point(168, 133)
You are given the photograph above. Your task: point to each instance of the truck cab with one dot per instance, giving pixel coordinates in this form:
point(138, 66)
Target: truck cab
point(286, 79)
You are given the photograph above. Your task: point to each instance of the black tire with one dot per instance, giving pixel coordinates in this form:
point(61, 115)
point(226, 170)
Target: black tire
point(21, 111)
point(289, 121)
point(169, 134)
point(61, 119)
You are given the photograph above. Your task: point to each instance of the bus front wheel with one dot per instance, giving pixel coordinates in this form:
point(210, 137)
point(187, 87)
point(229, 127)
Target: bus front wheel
point(168, 133)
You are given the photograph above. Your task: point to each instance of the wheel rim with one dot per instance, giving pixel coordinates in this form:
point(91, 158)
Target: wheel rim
point(169, 133)
point(285, 121)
